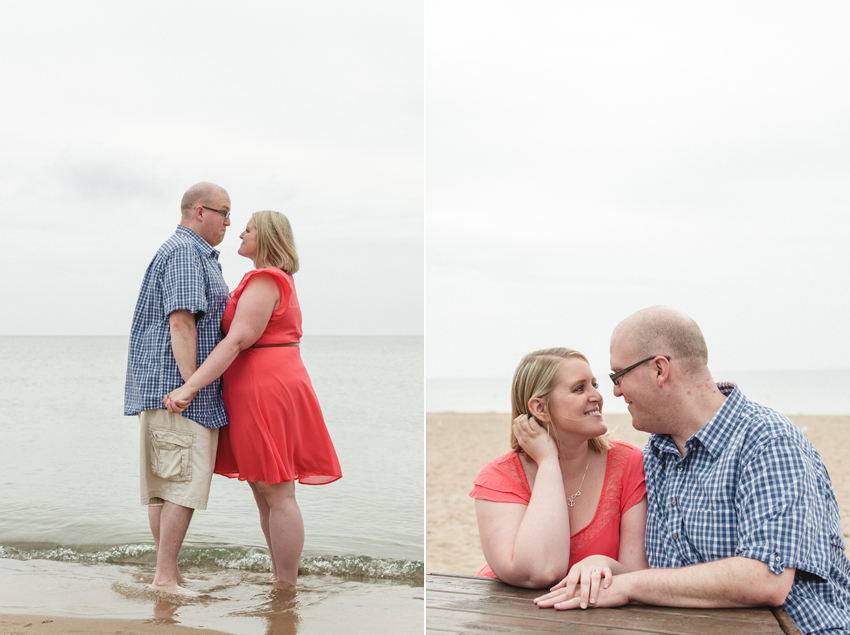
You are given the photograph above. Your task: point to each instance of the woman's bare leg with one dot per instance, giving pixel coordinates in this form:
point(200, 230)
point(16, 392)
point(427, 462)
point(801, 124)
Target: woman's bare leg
point(263, 508)
point(286, 530)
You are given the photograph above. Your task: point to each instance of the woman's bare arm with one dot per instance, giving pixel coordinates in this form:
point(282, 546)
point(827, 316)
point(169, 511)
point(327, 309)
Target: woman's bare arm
point(529, 546)
point(256, 305)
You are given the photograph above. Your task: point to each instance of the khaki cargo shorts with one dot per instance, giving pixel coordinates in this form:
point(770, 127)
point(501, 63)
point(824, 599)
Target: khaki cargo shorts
point(177, 459)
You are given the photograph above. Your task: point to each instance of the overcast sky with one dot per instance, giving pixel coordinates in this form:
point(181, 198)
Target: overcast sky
point(586, 160)
point(111, 110)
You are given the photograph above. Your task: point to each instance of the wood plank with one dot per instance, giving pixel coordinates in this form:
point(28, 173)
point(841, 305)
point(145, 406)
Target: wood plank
point(625, 619)
point(482, 624)
point(493, 589)
point(470, 604)
point(788, 625)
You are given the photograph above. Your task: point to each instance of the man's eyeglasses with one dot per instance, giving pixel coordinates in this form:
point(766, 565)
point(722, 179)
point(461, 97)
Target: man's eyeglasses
point(212, 209)
point(615, 377)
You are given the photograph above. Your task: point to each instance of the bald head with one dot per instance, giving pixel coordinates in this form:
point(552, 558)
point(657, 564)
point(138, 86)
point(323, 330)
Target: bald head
point(202, 193)
point(661, 330)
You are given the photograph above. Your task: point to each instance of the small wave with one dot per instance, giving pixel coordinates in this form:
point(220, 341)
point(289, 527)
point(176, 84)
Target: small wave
point(354, 567)
point(408, 571)
point(119, 554)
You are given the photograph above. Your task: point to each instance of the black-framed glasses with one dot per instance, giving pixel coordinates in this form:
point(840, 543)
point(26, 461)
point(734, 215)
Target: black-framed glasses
point(212, 209)
point(615, 377)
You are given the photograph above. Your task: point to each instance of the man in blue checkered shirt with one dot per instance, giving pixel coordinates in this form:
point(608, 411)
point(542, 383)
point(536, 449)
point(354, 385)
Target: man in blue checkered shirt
point(176, 324)
point(741, 511)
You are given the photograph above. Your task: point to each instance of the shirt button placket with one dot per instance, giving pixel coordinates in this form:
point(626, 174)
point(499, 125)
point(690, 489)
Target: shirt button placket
point(675, 510)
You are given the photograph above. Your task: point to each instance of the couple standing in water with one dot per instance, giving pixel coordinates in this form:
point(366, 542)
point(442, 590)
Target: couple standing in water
point(201, 358)
point(729, 503)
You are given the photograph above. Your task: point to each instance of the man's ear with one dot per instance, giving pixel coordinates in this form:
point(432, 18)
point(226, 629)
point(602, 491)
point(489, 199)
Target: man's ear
point(537, 409)
point(661, 366)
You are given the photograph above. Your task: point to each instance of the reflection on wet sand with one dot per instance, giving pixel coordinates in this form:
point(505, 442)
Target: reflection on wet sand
point(280, 611)
point(232, 601)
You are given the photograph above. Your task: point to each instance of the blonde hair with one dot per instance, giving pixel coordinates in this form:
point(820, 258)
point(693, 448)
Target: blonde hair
point(536, 377)
point(275, 242)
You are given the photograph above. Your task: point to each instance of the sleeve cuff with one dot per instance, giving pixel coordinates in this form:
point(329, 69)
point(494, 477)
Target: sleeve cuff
point(777, 563)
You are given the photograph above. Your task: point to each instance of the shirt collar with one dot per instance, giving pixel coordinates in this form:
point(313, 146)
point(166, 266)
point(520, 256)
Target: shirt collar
point(203, 246)
point(714, 434)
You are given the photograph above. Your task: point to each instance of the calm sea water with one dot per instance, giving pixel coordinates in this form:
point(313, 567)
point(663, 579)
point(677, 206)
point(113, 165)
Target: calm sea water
point(810, 392)
point(69, 463)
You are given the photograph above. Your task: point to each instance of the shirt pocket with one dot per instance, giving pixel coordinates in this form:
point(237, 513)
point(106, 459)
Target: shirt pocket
point(171, 454)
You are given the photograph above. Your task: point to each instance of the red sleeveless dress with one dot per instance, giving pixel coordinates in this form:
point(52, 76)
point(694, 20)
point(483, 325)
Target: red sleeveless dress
point(276, 432)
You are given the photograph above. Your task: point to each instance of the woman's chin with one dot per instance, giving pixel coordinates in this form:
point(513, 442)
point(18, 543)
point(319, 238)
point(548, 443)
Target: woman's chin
point(600, 427)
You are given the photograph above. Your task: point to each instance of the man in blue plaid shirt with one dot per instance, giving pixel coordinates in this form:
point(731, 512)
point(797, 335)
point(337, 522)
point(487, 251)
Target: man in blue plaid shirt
point(741, 511)
point(175, 326)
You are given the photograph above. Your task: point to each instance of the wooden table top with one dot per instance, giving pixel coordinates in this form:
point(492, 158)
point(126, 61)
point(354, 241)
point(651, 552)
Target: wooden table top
point(471, 604)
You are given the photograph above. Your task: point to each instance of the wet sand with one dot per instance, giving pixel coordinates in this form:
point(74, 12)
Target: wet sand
point(46, 625)
point(65, 597)
point(459, 445)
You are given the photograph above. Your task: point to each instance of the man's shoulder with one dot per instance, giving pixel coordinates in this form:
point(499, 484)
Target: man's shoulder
point(177, 240)
point(765, 422)
point(178, 243)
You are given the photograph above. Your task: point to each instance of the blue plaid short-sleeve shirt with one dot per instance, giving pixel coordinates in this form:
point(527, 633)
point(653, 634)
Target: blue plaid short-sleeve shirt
point(751, 485)
point(184, 275)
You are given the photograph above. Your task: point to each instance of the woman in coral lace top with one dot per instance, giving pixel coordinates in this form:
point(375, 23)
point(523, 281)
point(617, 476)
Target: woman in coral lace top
point(567, 501)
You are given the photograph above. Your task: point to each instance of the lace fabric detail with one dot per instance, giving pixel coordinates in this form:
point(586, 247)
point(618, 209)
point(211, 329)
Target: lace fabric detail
point(511, 465)
point(609, 501)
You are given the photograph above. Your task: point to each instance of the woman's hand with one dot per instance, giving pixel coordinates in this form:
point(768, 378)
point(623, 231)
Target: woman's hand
point(583, 581)
point(178, 400)
point(534, 439)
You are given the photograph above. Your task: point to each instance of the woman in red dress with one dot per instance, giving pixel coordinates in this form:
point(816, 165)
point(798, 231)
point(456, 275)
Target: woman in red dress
point(567, 500)
point(277, 434)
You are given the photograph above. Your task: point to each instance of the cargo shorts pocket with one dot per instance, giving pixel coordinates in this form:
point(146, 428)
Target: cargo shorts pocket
point(171, 454)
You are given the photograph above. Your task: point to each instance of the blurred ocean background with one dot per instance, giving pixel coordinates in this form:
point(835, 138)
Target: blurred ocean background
point(69, 471)
point(809, 392)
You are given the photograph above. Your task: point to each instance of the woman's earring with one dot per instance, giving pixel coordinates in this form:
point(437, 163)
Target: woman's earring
point(547, 430)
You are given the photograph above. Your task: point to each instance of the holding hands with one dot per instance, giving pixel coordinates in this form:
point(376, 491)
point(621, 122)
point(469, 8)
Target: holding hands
point(178, 400)
point(588, 584)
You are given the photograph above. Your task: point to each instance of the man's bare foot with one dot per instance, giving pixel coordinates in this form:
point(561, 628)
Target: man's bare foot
point(279, 585)
point(174, 589)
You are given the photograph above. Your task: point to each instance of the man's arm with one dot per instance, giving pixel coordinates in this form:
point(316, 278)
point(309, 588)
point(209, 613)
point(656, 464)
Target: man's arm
point(184, 342)
point(727, 583)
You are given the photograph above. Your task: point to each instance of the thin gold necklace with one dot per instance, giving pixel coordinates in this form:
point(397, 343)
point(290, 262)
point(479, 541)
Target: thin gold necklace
point(572, 501)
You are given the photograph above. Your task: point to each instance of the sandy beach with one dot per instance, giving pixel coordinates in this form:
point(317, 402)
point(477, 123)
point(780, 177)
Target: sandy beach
point(459, 445)
point(47, 625)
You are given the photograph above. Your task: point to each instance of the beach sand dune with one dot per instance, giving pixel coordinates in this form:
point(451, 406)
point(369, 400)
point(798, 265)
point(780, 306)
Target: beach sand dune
point(459, 445)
